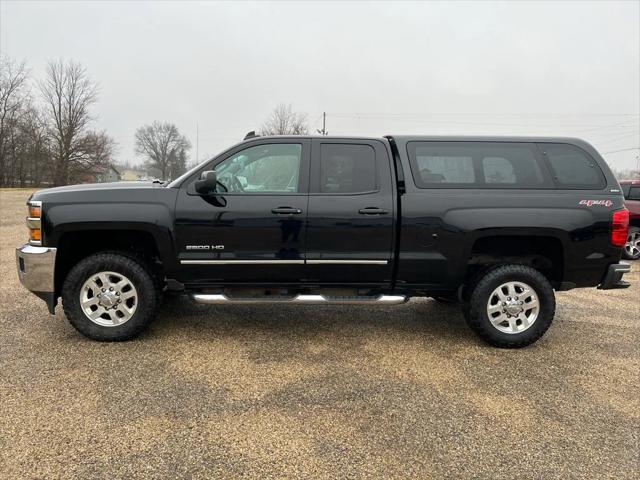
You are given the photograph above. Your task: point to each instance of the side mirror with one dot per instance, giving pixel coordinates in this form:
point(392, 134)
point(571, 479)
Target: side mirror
point(207, 183)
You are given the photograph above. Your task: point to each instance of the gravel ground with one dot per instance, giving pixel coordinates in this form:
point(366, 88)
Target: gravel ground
point(316, 392)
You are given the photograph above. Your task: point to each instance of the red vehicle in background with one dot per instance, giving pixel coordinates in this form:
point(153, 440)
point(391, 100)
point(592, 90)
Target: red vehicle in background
point(631, 191)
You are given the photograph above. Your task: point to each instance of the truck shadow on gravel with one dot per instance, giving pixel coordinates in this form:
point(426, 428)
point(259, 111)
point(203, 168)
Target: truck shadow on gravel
point(422, 318)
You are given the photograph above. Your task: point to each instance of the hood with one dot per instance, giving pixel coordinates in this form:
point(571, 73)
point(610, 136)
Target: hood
point(101, 186)
point(104, 191)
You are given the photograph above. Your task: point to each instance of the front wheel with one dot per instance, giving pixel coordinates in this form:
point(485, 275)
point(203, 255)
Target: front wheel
point(110, 297)
point(511, 306)
point(632, 247)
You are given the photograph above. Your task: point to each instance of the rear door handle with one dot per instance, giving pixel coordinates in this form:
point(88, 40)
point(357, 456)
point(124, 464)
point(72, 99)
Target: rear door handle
point(286, 211)
point(372, 211)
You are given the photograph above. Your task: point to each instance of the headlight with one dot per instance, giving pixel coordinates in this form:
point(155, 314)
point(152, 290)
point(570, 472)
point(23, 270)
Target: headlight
point(34, 222)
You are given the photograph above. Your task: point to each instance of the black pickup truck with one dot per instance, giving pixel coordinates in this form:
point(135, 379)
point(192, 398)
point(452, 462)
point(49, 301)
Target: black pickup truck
point(494, 223)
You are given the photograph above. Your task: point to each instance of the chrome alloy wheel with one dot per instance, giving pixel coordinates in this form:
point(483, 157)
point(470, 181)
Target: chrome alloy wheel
point(513, 307)
point(633, 245)
point(108, 299)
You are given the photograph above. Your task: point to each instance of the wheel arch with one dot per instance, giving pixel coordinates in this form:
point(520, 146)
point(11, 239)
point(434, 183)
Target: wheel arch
point(143, 243)
point(543, 251)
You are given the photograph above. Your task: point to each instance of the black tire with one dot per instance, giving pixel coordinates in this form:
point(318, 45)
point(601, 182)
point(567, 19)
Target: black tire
point(631, 250)
point(147, 299)
point(467, 289)
point(478, 319)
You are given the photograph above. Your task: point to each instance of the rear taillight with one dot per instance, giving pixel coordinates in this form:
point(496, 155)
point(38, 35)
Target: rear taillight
point(619, 227)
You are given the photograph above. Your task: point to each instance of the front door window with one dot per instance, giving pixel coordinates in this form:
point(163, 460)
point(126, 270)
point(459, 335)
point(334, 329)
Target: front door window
point(271, 168)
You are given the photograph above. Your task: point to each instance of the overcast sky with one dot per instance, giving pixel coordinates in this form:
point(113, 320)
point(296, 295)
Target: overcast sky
point(376, 68)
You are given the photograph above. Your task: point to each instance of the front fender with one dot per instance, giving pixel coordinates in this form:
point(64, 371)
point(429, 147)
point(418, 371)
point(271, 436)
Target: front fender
point(153, 218)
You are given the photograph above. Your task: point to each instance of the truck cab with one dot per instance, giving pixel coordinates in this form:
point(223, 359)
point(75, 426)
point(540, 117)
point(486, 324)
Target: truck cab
point(297, 211)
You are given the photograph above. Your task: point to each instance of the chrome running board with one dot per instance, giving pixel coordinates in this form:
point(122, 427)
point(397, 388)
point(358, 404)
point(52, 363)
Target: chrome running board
point(220, 299)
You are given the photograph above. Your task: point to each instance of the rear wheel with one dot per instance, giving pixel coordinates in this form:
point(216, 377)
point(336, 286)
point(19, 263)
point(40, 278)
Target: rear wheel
point(632, 247)
point(110, 297)
point(511, 306)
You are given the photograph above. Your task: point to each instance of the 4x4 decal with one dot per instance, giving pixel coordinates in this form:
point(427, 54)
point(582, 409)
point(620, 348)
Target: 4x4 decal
point(590, 203)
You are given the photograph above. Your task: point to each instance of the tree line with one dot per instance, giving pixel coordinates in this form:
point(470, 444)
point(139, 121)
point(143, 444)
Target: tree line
point(626, 174)
point(48, 135)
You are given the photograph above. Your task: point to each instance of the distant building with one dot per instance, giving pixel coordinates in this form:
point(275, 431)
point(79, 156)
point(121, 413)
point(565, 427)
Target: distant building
point(108, 174)
point(132, 175)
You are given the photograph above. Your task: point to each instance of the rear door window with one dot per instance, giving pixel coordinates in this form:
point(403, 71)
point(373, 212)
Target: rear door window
point(347, 168)
point(573, 168)
point(634, 193)
point(476, 165)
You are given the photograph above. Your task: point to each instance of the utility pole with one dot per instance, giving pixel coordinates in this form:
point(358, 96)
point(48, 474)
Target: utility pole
point(197, 142)
point(324, 125)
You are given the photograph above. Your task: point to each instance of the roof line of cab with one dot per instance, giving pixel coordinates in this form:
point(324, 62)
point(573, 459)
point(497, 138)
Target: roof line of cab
point(425, 138)
point(402, 140)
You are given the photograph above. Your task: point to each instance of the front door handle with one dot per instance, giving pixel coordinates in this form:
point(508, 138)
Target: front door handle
point(286, 211)
point(372, 211)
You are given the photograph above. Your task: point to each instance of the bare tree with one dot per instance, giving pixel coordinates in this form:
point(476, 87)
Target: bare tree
point(179, 164)
point(164, 147)
point(51, 143)
point(13, 100)
point(284, 121)
point(68, 94)
point(98, 148)
point(37, 152)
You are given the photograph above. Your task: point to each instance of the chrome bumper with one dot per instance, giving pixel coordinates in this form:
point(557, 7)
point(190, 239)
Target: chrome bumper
point(36, 269)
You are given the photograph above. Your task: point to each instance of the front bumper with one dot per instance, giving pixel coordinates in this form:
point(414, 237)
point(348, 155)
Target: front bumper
point(613, 277)
point(36, 271)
